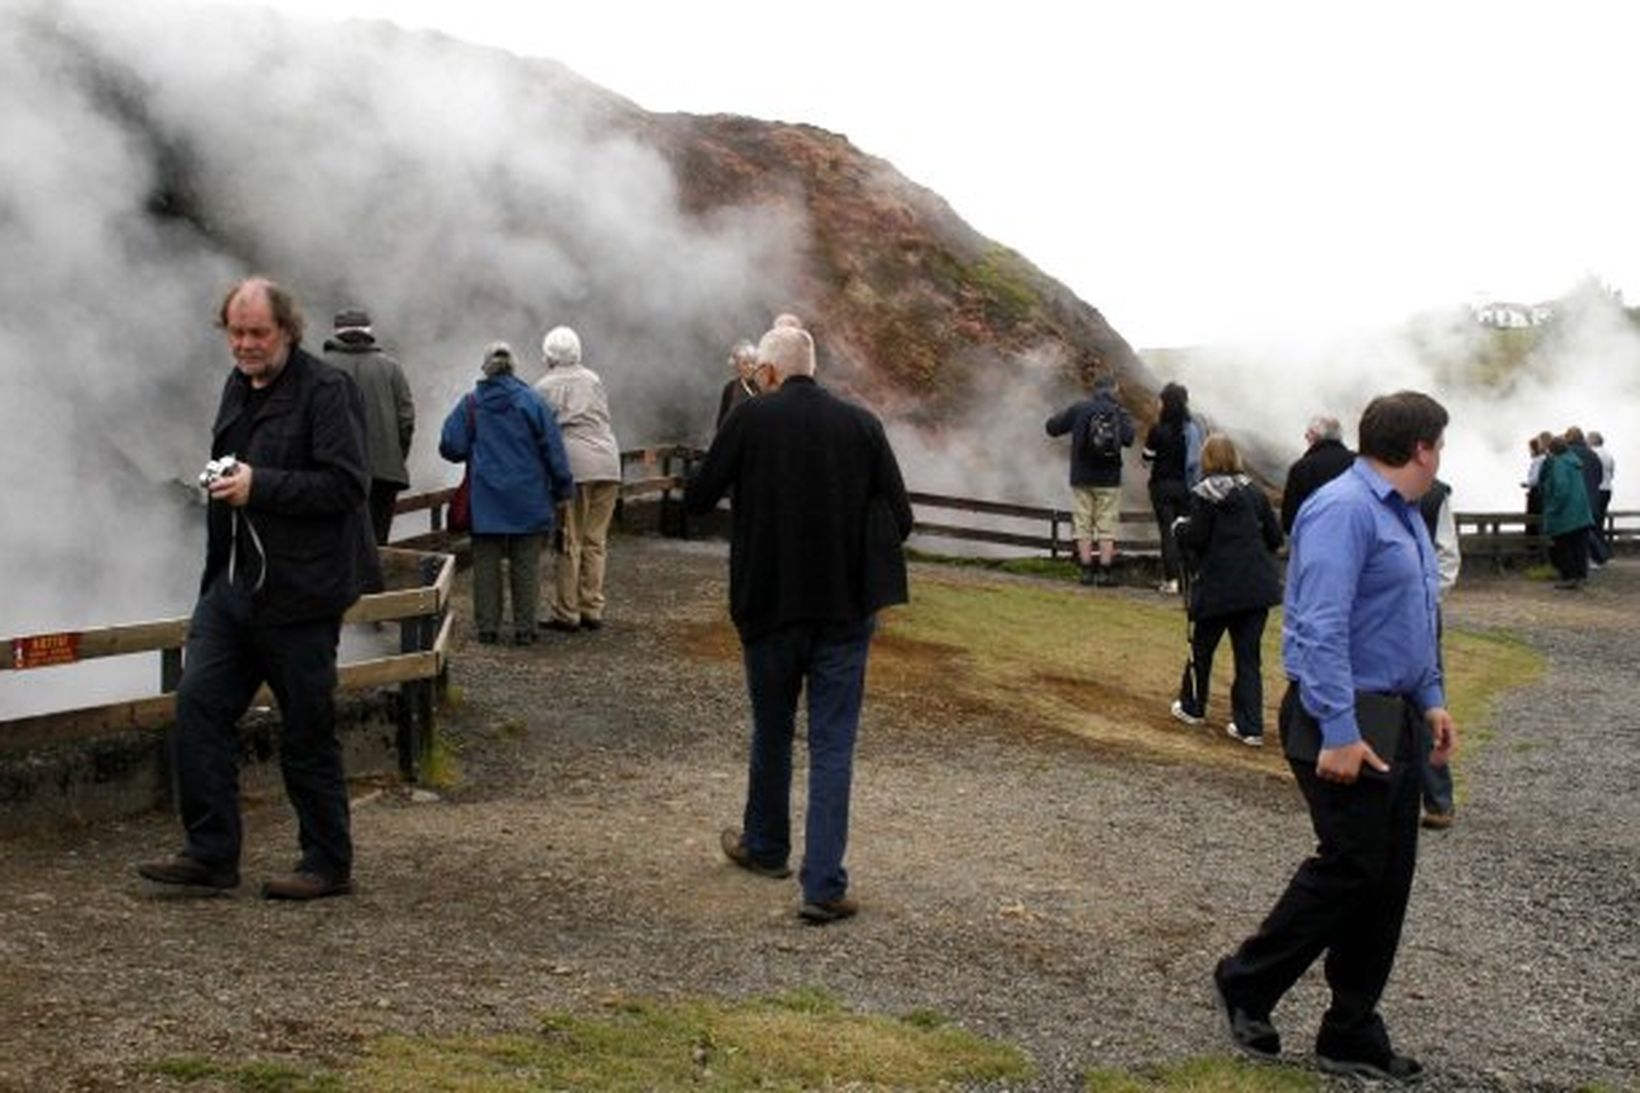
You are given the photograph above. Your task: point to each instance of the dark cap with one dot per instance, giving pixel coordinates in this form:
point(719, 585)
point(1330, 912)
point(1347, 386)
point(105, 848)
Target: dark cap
point(353, 318)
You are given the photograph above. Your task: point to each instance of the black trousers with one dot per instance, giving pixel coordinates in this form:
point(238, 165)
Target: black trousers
point(383, 495)
point(1170, 499)
point(1246, 629)
point(1570, 554)
point(228, 656)
point(1348, 900)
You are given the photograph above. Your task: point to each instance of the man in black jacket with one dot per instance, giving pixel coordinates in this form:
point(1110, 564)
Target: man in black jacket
point(1100, 427)
point(1324, 460)
point(819, 515)
point(288, 551)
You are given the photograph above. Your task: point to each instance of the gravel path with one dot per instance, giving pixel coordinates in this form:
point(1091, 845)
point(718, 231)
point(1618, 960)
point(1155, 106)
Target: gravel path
point(1034, 889)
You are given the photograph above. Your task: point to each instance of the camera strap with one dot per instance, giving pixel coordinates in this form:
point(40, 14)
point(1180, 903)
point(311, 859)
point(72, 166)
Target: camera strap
point(233, 550)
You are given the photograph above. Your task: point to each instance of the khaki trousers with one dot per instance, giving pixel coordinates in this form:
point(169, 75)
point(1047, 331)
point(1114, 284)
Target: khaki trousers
point(579, 571)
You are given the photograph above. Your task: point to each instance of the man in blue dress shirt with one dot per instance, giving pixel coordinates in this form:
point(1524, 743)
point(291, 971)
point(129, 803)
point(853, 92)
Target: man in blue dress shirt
point(1359, 622)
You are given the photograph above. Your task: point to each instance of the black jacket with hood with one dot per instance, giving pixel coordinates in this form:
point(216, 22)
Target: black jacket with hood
point(1230, 537)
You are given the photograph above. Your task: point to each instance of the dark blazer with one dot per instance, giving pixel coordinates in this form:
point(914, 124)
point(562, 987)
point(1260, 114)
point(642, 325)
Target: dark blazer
point(1231, 536)
point(820, 509)
point(1087, 470)
point(1325, 461)
point(306, 450)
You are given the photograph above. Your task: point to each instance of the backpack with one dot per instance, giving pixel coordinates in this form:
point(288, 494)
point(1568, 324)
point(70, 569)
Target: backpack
point(1103, 440)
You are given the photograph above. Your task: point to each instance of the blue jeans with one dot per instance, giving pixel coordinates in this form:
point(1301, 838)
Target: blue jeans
point(831, 659)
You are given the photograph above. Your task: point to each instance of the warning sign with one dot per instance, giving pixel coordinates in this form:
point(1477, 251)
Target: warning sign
point(41, 650)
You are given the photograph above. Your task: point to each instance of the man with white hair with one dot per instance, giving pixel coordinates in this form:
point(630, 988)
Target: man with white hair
point(1324, 459)
point(819, 515)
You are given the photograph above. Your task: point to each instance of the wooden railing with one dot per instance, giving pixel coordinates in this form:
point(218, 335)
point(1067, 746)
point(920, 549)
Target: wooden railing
point(422, 612)
point(664, 469)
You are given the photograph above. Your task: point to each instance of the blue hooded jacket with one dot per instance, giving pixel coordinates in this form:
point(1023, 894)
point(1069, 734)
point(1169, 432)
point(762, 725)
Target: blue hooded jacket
point(519, 469)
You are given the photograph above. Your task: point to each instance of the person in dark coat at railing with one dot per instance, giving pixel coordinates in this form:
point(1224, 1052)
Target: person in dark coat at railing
point(1229, 542)
point(1323, 460)
point(289, 550)
point(819, 517)
point(1099, 427)
point(1593, 473)
point(389, 411)
point(1566, 514)
point(519, 476)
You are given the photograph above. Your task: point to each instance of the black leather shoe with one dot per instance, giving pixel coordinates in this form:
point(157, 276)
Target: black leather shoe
point(189, 872)
point(1385, 1067)
point(590, 623)
point(736, 851)
point(823, 911)
point(562, 626)
point(1251, 1035)
point(305, 886)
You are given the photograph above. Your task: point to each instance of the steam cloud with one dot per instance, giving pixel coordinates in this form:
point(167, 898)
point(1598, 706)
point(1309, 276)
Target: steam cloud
point(154, 152)
point(1585, 371)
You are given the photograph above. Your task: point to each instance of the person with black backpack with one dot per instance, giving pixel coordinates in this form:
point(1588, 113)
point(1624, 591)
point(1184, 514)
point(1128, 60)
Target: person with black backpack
point(1099, 427)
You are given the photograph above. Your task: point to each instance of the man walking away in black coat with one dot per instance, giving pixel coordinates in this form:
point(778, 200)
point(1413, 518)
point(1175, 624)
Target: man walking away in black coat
point(1324, 460)
point(819, 515)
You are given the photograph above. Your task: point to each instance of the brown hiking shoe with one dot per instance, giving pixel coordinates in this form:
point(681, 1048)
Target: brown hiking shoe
point(1438, 821)
point(821, 912)
point(186, 872)
point(735, 850)
point(303, 886)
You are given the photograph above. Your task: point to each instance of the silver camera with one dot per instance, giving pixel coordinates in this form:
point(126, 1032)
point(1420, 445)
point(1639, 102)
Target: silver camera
point(217, 469)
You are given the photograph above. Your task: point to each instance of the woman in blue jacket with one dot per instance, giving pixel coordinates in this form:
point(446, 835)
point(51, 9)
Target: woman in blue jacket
point(519, 475)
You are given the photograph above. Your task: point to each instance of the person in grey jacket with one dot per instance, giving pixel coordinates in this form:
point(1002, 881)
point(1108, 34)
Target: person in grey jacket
point(575, 395)
point(389, 411)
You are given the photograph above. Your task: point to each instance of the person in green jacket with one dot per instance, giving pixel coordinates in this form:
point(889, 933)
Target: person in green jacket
point(1567, 517)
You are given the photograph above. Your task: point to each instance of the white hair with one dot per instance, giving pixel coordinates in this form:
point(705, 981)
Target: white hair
point(1323, 427)
point(787, 319)
point(789, 350)
point(561, 347)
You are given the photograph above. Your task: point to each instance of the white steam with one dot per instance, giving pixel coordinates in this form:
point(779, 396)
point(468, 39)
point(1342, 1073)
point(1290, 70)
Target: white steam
point(154, 152)
point(1585, 371)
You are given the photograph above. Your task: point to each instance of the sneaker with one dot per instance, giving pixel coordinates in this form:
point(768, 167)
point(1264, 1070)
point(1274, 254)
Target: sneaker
point(1252, 739)
point(303, 885)
point(186, 872)
point(1253, 1036)
point(1182, 714)
point(1387, 1067)
point(735, 850)
point(1168, 588)
point(1438, 821)
point(823, 911)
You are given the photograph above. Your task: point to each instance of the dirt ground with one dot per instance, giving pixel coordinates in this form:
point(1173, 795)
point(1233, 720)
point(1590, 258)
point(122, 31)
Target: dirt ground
point(1031, 886)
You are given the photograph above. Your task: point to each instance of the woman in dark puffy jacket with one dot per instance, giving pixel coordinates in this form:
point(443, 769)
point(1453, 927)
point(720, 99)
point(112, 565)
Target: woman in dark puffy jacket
point(1229, 542)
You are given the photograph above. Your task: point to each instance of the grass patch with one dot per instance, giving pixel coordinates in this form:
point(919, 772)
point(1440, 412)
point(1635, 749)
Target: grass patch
point(1106, 666)
point(1216, 1075)
point(805, 1040)
point(251, 1077)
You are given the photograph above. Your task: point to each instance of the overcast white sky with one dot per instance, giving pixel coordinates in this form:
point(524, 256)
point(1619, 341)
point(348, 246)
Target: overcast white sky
point(1198, 171)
